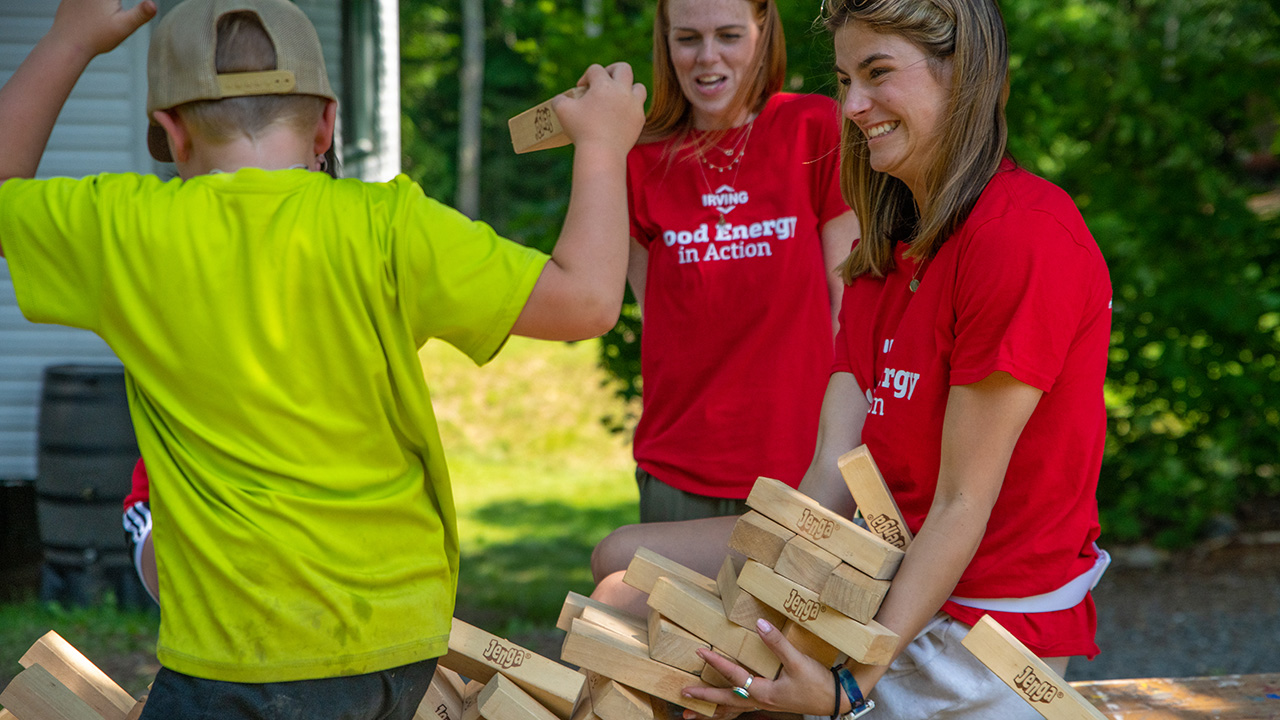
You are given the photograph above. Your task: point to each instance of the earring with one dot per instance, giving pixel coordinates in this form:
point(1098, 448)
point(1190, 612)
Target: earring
point(323, 162)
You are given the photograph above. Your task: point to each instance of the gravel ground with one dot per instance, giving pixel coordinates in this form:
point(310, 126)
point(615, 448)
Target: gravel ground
point(1196, 613)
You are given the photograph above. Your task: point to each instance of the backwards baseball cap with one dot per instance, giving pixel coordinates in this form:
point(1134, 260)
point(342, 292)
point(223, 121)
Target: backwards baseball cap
point(181, 65)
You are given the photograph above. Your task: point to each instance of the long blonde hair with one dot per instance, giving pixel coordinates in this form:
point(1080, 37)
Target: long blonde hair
point(972, 142)
point(671, 114)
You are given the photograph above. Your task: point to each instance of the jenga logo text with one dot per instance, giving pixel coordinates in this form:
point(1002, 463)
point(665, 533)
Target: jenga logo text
point(542, 125)
point(815, 526)
point(505, 657)
point(800, 608)
point(442, 711)
point(888, 529)
point(1036, 690)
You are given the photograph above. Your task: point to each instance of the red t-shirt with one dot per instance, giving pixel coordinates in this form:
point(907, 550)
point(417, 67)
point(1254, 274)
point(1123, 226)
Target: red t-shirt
point(737, 339)
point(1021, 287)
point(140, 486)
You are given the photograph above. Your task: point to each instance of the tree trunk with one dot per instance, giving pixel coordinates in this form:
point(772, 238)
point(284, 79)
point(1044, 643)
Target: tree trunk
point(472, 93)
point(591, 18)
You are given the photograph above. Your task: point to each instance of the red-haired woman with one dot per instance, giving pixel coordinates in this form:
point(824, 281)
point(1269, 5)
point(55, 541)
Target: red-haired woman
point(737, 225)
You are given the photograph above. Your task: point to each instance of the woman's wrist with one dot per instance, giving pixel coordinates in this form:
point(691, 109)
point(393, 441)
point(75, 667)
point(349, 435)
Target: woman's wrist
point(848, 692)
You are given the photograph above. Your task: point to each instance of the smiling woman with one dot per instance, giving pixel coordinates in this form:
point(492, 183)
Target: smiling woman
point(970, 363)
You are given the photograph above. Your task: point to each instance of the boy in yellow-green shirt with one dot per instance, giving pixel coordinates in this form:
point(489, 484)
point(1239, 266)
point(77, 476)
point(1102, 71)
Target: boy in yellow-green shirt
point(269, 318)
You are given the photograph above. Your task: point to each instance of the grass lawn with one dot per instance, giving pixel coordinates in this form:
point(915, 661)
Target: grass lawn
point(537, 479)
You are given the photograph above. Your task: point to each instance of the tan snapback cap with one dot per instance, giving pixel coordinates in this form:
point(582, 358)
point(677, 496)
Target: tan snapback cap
point(181, 60)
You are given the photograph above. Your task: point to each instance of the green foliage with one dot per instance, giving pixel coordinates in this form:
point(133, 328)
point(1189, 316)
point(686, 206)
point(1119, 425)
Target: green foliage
point(1144, 110)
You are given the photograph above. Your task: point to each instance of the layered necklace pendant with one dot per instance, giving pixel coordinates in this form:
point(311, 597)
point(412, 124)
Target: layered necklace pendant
point(732, 161)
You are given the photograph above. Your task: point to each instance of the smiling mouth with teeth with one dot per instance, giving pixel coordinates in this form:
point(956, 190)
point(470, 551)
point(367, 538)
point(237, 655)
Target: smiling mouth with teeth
point(879, 130)
point(710, 79)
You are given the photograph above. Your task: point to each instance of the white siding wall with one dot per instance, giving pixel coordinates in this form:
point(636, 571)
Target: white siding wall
point(101, 129)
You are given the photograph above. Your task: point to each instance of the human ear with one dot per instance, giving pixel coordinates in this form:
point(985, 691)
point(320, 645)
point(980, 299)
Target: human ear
point(324, 128)
point(177, 133)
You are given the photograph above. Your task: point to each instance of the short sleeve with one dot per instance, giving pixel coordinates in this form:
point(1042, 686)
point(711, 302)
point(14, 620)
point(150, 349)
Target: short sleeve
point(460, 281)
point(52, 234)
point(635, 168)
point(1021, 290)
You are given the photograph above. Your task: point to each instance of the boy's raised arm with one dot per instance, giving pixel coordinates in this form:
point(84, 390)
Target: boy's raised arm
point(579, 293)
point(32, 98)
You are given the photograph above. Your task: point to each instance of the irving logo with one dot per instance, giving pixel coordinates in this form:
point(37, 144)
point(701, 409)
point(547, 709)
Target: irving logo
point(888, 529)
point(815, 526)
point(1036, 690)
point(505, 657)
point(800, 608)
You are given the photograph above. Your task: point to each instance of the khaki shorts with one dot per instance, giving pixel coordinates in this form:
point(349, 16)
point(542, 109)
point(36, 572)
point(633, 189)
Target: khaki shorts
point(937, 677)
point(659, 502)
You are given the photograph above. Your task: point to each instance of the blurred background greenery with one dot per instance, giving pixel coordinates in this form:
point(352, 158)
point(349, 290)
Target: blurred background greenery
point(1158, 116)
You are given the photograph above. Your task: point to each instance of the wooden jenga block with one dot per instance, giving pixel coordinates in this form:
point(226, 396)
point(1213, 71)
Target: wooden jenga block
point(837, 535)
point(872, 643)
point(802, 561)
point(136, 712)
point(853, 593)
point(647, 566)
point(538, 128)
point(714, 677)
point(673, 645)
point(596, 649)
point(810, 644)
point(82, 677)
point(611, 700)
point(501, 699)
point(6, 715)
point(871, 493)
point(585, 711)
point(35, 694)
point(702, 614)
point(1026, 674)
point(739, 606)
point(471, 700)
point(617, 624)
point(443, 700)
point(575, 604)
point(478, 655)
point(759, 538)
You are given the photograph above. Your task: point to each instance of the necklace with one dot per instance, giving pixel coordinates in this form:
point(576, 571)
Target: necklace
point(738, 149)
point(915, 277)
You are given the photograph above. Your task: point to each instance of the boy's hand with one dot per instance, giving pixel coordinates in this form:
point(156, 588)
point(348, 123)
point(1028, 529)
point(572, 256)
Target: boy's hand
point(98, 26)
point(610, 112)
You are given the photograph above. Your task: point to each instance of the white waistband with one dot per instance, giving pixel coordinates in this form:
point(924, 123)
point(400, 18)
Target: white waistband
point(1067, 596)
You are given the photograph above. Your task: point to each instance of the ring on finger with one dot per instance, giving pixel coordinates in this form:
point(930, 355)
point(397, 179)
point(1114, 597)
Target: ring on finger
point(744, 690)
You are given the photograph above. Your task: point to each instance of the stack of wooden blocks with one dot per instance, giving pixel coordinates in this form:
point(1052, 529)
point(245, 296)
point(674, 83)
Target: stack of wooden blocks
point(814, 574)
